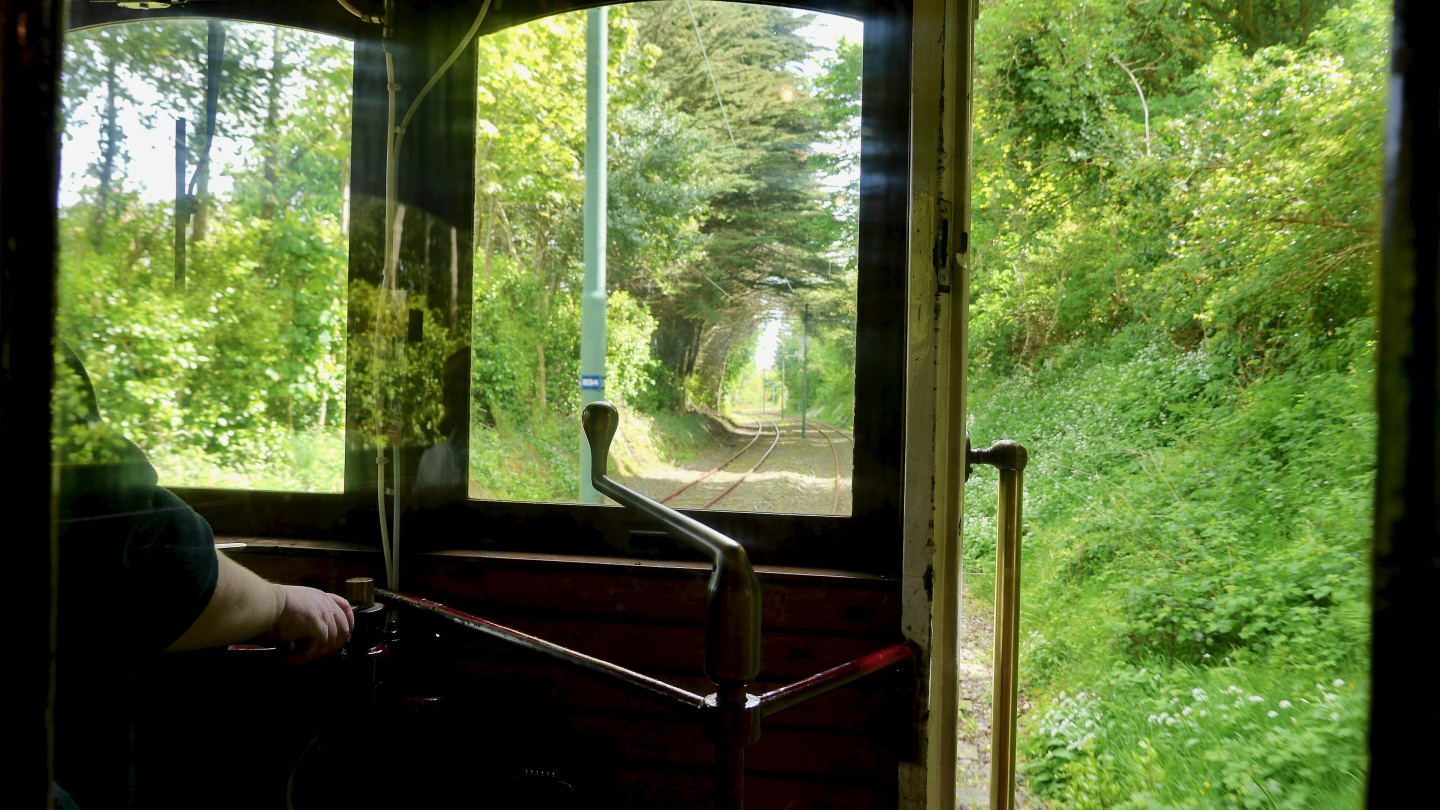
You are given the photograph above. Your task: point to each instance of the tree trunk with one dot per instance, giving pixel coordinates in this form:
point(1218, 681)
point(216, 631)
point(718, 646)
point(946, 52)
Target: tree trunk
point(540, 355)
point(202, 203)
point(110, 136)
point(272, 115)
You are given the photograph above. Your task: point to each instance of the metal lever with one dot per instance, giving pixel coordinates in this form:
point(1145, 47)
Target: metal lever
point(732, 625)
point(1009, 458)
point(732, 614)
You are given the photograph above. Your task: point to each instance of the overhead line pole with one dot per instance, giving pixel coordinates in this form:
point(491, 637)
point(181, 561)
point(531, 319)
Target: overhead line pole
point(592, 301)
point(804, 369)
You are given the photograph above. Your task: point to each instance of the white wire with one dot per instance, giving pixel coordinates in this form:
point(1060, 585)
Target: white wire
point(713, 83)
point(394, 136)
point(424, 91)
point(395, 533)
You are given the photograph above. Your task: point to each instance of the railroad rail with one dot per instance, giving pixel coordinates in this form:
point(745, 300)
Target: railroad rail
point(743, 478)
point(826, 430)
point(759, 429)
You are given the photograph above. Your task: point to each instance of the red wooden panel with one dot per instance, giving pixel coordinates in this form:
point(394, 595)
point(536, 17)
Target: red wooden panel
point(600, 588)
point(691, 790)
point(672, 649)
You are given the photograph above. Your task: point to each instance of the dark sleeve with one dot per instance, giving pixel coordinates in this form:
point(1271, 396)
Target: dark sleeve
point(170, 568)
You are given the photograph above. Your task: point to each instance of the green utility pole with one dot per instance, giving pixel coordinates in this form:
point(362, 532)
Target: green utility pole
point(592, 301)
point(781, 351)
point(804, 370)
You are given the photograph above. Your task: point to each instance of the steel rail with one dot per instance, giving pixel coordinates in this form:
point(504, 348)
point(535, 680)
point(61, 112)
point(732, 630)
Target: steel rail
point(604, 670)
point(779, 700)
point(841, 431)
point(835, 454)
point(722, 496)
point(759, 429)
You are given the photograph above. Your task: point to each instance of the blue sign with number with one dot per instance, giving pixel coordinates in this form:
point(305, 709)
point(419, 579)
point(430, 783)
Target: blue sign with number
point(592, 382)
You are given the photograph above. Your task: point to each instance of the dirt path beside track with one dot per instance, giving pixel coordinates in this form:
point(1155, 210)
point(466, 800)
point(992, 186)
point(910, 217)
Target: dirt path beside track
point(977, 637)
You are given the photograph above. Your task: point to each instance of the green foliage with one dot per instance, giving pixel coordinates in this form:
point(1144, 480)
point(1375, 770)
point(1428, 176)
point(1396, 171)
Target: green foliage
point(1186, 737)
point(1172, 308)
point(238, 380)
point(706, 231)
point(717, 220)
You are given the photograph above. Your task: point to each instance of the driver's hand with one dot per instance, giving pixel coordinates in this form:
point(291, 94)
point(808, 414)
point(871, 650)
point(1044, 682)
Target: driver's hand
point(318, 622)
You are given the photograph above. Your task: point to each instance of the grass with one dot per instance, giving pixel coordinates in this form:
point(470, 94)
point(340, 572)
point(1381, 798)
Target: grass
point(1187, 536)
point(538, 459)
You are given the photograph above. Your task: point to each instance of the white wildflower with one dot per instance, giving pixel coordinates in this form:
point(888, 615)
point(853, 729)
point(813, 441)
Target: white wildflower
point(1272, 713)
point(1285, 704)
point(1339, 683)
point(1199, 695)
point(1256, 699)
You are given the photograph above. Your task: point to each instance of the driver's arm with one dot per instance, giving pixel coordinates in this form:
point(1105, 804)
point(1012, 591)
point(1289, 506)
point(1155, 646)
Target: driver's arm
point(245, 606)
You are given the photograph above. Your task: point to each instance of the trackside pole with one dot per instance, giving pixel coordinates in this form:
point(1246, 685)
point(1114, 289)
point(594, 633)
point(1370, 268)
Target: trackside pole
point(804, 370)
point(592, 301)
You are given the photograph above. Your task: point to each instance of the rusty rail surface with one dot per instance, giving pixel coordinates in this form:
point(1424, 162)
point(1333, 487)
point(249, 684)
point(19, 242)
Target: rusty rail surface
point(746, 476)
point(759, 429)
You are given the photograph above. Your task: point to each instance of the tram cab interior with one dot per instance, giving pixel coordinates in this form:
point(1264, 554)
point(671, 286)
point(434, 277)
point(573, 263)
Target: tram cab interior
point(731, 604)
point(613, 648)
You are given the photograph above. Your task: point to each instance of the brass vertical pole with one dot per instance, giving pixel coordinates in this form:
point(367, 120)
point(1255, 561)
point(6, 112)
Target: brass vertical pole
point(1009, 458)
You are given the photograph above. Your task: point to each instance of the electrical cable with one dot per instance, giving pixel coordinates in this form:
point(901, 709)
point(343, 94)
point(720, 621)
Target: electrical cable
point(394, 136)
point(424, 91)
point(713, 83)
point(369, 18)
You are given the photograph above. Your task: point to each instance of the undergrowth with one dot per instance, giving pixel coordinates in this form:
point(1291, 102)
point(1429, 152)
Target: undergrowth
point(1195, 573)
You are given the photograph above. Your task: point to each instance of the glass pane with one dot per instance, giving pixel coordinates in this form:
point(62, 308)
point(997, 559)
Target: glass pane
point(235, 378)
point(732, 169)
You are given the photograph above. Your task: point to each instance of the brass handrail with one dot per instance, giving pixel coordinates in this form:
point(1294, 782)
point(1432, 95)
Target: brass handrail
point(1009, 458)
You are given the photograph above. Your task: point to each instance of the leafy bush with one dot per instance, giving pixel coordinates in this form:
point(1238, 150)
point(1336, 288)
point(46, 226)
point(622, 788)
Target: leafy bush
point(1200, 738)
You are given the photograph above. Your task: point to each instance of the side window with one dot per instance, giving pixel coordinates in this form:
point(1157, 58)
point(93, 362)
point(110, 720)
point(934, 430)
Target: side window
point(235, 377)
point(730, 255)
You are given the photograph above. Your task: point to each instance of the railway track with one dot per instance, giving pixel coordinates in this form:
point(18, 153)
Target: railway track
point(677, 493)
point(828, 431)
point(835, 455)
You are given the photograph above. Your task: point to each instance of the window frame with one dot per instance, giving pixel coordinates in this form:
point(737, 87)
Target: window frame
point(868, 540)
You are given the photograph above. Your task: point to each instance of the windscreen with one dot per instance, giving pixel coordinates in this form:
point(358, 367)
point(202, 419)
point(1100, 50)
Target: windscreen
point(713, 299)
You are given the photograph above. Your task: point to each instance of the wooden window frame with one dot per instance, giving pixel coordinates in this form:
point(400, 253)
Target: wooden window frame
point(869, 540)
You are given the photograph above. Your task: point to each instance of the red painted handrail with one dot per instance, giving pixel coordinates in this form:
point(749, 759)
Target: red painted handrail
point(673, 695)
point(786, 696)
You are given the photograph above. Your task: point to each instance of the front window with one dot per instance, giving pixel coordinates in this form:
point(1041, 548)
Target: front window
point(221, 353)
point(730, 249)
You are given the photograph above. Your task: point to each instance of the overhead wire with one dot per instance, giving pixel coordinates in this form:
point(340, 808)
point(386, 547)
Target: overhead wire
point(713, 83)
